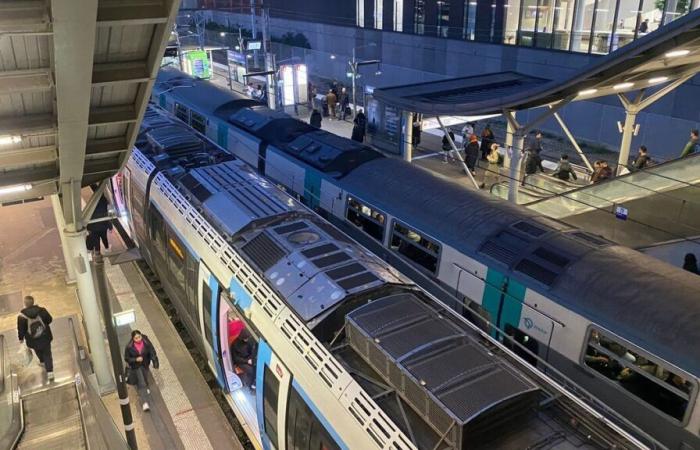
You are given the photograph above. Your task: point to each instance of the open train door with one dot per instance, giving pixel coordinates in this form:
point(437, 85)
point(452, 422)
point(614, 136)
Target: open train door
point(208, 296)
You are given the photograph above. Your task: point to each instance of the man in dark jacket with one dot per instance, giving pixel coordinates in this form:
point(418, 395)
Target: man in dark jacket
point(642, 159)
point(358, 130)
point(243, 357)
point(564, 170)
point(33, 328)
point(471, 153)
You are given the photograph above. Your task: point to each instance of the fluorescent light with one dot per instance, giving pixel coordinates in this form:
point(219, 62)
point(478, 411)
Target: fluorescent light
point(677, 53)
point(14, 189)
point(332, 56)
point(658, 80)
point(623, 86)
point(222, 34)
point(588, 92)
point(7, 140)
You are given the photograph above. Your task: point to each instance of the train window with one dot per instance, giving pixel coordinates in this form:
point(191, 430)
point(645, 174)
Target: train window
point(199, 122)
point(157, 230)
point(366, 218)
point(182, 113)
point(206, 312)
point(191, 275)
point(176, 261)
point(640, 375)
point(415, 246)
point(304, 429)
point(271, 390)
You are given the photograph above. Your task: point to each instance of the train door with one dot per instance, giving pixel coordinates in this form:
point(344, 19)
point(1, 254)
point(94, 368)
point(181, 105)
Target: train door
point(312, 189)
point(222, 135)
point(274, 381)
point(208, 295)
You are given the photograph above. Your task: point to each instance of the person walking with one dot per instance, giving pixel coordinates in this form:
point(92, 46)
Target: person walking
point(487, 138)
point(471, 153)
point(564, 170)
point(491, 176)
point(315, 119)
point(359, 127)
point(332, 101)
point(344, 104)
point(446, 147)
point(690, 263)
point(534, 146)
point(34, 329)
point(139, 354)
point(641, 161)
point(693, 145)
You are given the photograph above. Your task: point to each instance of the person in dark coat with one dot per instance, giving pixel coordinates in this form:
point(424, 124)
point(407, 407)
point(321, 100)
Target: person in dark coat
point(34, 328)
point(601, 171)
point(416, 133)
point(243, 357)
point(446, 147)
point(471, 153)
point(534, 147)
point(344, 104)
point(315, 119)
point(564, 170)
point(642, 159)
point(359, 127)
point(532, 163)
point(139, 354)
point(98, 231)
point(487, 138)
point(690, 263)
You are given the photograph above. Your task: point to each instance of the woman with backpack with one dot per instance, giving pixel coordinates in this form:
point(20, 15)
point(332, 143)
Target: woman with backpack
point(139, 354)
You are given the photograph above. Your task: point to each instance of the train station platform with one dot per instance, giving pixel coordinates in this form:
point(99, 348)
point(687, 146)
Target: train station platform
point(184, 412)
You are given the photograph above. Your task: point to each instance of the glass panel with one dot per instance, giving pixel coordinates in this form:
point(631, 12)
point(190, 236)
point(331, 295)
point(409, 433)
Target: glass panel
point(443, 17)
point(367, 219)
point(562, 24)
point(206, 311)
point(527, 23)
point(511, 17)
point(271, 389)
point(604, 18)
point(304, 430)
point(674, 9)
point(628, 20)
point(360, 18)
point(544, 25)
point(583, 20)
point(419, 17)
point(398, 15)
point(652, 11)
point(378, 14)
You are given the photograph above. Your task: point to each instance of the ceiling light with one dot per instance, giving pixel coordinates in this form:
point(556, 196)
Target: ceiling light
point(13, 189)
point(588, 92)
point(617, 87)
point(658, 80)
point(332, 56)
point(222, 34)
point(677, 53)
point(7, 140)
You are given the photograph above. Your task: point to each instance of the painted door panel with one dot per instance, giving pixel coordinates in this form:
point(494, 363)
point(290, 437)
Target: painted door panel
point(222, 134)
point(266, 359)
point(208, 295)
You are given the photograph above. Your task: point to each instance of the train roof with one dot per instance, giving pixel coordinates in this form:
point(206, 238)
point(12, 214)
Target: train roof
point(642, 299)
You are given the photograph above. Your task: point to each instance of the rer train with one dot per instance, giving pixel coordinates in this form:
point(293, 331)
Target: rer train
point(618, 323)
point(349, 354)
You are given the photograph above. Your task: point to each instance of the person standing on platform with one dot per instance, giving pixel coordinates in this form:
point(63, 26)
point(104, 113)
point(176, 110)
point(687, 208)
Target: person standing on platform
point(33, 328)
point(644, 26)
point(446, 147)
point(344, 104)
point(139, 354)
point(492, 172)
point(642, 159)
point(693, 145)
point(471, 153)
point(332, 101)
point(487, 138)
point(359, 127)
point(315, 119)
point(467, 130)
point(534, 146)
point(690, 263)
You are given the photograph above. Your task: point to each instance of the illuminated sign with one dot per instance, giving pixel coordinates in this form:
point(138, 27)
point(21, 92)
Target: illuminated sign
point(124, 317)
point(197, 64)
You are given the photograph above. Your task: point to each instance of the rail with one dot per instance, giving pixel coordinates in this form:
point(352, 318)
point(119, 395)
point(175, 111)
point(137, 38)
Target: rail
point(11, 414)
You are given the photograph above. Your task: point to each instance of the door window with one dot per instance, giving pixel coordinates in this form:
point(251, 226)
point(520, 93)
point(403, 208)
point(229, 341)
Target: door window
point(206, 312)
point(271, 390)
point(304, 429)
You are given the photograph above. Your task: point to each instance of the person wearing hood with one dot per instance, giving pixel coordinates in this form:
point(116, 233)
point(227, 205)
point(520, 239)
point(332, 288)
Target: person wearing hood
point(690, 263)
point(243, 357)
point(315, 119)
point(471, 153)
point(33, 328)
point(359, 127)
point(564, 170)
point(139, 354)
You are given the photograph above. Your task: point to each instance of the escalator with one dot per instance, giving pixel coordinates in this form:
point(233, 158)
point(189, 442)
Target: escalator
point(660, 203)
point(52, 420)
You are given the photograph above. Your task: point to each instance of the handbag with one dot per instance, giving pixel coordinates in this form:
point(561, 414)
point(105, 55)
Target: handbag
point(25, 355)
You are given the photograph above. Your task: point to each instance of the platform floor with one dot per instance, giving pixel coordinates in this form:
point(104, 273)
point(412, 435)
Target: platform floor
point(184, 413)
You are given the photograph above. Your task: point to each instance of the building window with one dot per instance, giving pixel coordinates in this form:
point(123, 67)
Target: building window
point(562, 24)
point(443, 18)
point(419, 17)
point(378, 14)
point(470, 20)
point(603, 20)
point(398, 15)
point(674, 9)
point(642, 376)
point(583, 22)
point(511, 17)
point(199, 122)
point(366, 218)
point(360, 6)
point(415, 246)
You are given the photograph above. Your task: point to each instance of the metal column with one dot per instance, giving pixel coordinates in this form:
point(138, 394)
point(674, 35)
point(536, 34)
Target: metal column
point(627, 134)
point(514, 170)
point(61, 225)
point(407, 135)
point(88, 304)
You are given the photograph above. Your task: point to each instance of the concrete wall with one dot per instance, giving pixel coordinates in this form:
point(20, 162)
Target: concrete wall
point(407, 58)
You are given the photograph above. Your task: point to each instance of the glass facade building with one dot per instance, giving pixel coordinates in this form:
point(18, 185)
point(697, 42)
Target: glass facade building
point(587, 26)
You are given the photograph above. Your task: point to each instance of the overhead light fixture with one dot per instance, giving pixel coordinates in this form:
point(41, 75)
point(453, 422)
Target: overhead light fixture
point(222, 34)
point(587, 91)
point(7, 140)
point(677, 53)
point(332, 56)
point(15, 189)
point(617, 87)
point(658, 80)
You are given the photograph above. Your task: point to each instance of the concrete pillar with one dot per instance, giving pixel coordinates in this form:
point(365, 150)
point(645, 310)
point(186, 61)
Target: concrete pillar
point(514, 169)
point(407, 135)
point(61, 225)
point(626, 144)
point(75, 242)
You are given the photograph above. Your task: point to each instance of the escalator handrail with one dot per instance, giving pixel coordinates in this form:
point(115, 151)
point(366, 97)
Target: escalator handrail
point(621, 178)
point(10, 437)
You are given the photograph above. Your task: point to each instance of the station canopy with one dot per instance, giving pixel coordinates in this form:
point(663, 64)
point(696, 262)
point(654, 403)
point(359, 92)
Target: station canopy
point(669, 54)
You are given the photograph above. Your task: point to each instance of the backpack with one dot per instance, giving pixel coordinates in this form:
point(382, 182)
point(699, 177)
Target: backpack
point(35, 327)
